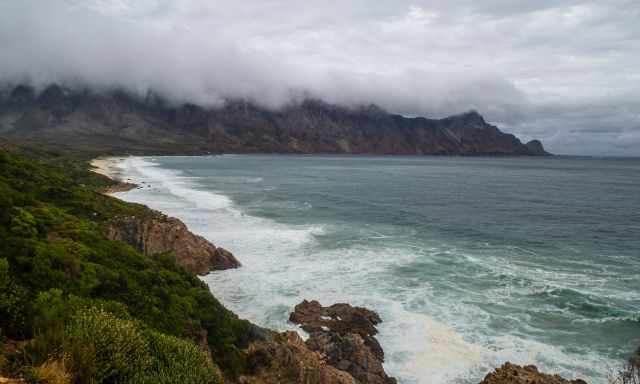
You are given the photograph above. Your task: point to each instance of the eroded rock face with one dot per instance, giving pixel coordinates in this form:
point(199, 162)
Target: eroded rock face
point(161, 234)
point(516, 374)
point(344, 336)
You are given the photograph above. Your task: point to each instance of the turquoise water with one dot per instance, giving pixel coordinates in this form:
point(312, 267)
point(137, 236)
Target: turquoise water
point(471, 262)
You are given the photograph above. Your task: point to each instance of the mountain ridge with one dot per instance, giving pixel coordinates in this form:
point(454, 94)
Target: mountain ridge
point(120, 122)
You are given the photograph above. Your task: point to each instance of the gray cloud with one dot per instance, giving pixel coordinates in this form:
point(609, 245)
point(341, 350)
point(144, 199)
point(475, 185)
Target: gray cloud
point(562, 71)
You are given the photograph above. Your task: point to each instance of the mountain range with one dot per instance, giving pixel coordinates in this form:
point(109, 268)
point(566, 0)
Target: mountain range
point(116, 121)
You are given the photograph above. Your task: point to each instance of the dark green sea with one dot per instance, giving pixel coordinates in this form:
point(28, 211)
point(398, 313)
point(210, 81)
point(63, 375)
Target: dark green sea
point(470, 262)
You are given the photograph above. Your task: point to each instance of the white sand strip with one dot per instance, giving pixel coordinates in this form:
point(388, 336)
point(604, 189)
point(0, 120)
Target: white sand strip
point(109, 167)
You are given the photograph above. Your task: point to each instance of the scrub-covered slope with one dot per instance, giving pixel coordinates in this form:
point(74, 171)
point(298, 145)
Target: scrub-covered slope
point(70, 294)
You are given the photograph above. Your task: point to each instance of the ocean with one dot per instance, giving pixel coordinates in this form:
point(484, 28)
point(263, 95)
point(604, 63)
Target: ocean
point(470, 261)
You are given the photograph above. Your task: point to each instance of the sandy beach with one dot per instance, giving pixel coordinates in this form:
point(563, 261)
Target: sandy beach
point(109, 167)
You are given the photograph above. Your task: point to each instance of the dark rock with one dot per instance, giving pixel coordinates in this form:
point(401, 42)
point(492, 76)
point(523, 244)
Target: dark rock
point(351, 354)
point(339, 318)
point(345, 336)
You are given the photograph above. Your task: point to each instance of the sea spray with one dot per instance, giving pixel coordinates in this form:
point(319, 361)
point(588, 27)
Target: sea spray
point(462, 279)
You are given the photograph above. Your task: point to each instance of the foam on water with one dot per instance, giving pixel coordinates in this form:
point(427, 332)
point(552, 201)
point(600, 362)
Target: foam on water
point(210, 214)
point(428, 337)
point(176, 184)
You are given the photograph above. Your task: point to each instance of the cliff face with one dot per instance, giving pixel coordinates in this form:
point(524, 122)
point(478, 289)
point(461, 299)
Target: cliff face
point(161, 234)
point(118, 122)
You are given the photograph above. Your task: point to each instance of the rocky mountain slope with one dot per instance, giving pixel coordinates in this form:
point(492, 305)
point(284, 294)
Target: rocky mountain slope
point(120, 123)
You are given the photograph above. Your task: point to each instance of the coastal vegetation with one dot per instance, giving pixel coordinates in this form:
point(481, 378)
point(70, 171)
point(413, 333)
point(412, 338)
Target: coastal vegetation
point(92, 309)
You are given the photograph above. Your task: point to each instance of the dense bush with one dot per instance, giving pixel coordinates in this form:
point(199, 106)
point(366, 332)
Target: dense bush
point(52, 314)
point(3, 360)
point(53, 250)
point(98, 346)
point(101, 348)
point(13, 303)
point(177, 361)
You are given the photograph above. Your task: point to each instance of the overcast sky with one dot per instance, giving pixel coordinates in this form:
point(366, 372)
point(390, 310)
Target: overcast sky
point(566, 72)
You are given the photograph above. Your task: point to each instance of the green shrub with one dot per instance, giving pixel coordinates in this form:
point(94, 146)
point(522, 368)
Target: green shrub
point(13, 303)
point(52, 235)
point(6, 202)
point(101, 347)
point(177, 361)
point(23, 224)
point(53, 311)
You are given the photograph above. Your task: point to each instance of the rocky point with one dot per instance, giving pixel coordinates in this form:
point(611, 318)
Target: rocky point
point(159, 233)
point(344, 336)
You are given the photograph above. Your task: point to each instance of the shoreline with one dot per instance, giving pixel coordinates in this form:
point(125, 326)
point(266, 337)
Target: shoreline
point(297, 348)
point(109, 168)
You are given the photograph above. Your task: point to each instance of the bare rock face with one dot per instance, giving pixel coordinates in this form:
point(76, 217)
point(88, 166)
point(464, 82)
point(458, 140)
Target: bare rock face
point(344, 335)
point(161, 234)
point(516, 374)
point(286, 359)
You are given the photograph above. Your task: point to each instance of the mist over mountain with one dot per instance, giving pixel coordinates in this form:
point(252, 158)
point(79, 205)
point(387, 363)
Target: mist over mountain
point(364, 169)
point(519, 65)
point(122, 122)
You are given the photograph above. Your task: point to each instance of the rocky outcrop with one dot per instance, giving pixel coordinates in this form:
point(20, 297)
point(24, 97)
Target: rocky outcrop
point(156, 234)
point(285, 358)
point(344, 336)
point(516, 374)
point(121, 123)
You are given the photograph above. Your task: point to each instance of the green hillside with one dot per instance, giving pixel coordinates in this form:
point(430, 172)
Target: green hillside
point(72, 300)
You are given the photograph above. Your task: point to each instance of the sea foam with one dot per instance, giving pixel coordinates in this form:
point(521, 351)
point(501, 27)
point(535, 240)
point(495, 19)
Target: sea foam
point(427, 338)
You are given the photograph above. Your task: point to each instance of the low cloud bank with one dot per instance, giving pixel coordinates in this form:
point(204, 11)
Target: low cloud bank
point(407, 58)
